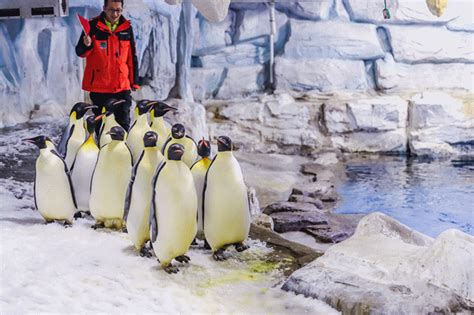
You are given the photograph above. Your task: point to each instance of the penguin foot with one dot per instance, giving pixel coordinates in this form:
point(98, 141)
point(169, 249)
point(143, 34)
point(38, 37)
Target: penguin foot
point(99, 225)
point(67, 224)
point(78, 215)
point(183, 259)
point(46, 222)
point(145, 252)
point(206, 245)
point(194, 242)
point(124, 229)
point(240, 247)
point(218, 255)
point(171, 269)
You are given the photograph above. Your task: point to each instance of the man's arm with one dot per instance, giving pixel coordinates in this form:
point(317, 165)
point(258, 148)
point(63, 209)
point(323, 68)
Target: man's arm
point(133, 63)
point(81, 49)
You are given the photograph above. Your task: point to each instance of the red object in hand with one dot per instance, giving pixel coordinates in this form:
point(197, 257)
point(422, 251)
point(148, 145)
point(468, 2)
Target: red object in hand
point(85, 24)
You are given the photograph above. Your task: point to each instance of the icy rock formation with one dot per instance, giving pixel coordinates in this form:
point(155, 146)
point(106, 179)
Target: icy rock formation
point(440, 125)
point(377, 124)
point(387, 268)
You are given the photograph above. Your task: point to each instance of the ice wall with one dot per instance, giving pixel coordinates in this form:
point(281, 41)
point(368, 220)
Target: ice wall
point(322, 45)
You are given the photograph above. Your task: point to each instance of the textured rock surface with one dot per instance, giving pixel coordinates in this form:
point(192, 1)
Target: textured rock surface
point(345, 40)
point(440, 125)
point(385, 267)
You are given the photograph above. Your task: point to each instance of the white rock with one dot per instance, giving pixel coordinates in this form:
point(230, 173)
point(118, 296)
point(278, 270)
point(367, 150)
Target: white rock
point(396, 76)
point(388, 268)
point(345, 40)
point(255, 26)
point(406, 11)
point(308, 10)
point(415, 44)
point(210, 36)
point(440, 124)
point(243, 80)
point(205, 82)
point(192, 116)
point(235, 55)
point(320, 74)
point(368, 125)
point(213, 10)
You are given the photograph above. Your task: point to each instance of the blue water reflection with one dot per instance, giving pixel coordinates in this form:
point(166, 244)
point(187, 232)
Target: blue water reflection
point(427, 195)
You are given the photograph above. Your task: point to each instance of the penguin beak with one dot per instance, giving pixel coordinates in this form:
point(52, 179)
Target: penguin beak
point(220, 141)
point(111, 133)
point(100, 117)
point(204, 143)
point(29, 140)
point(180, 151)
point(151, 105)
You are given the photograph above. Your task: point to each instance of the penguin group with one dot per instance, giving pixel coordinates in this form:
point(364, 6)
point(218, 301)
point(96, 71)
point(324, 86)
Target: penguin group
point(152, 181)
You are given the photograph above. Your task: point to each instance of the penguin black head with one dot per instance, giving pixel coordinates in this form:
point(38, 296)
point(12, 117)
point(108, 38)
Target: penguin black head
point(117, 133)
point(160, 109)
point(175, 152)
point(150, 138)
point(39, 141)
point(144, 106)
point(224, 144)
point(204, 148)
point(91, 121)
point(81, 109)
point(111, 105)
point(178, 131)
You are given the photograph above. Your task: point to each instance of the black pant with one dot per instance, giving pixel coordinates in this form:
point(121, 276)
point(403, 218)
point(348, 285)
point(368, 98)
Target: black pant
point(122, 113)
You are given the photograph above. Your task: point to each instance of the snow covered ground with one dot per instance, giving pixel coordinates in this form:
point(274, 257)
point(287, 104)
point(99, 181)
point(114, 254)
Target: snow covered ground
point(47, 268)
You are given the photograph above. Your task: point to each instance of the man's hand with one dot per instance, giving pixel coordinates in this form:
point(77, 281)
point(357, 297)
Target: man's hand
point(87, 40)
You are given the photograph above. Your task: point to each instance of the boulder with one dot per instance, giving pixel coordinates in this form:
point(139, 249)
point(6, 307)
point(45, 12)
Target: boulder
point(295, 221)
point(414, 44)
point(388, 268)
point(243, 81)
point(403, 77)
point(319, 74)
point(290, 207)
point(405, 12)
point(255, 27)
point(211, 36)
point(310, 40)
point(235, 55)
point(367, 125)
point(440, 125)
point(305, 199)
point(307, 10)
point(338, 228)
point(205, 82)
point(191, 115)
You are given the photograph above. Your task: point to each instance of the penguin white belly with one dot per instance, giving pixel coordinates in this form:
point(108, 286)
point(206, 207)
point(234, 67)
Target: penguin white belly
point(109, 123)
point(81, 176)
point(74, 143)
point(199, 175)
point(110, 183)
point(53, 193)
point(176, 206)
point(138, 226)
point(135, 139)
point(163, 129)
point(226, 209)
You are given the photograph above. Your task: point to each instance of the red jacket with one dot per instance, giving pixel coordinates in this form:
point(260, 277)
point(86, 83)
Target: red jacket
point(111, 60)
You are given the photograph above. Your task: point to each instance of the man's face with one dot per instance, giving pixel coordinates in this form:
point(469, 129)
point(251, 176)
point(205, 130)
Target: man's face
point(113, 11)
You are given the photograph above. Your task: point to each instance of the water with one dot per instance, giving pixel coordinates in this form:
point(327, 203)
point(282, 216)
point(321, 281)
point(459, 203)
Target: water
point(427, 195)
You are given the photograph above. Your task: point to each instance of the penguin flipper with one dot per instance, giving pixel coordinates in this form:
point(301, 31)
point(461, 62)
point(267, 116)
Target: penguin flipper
point(68, 174)
point(164, 146)
point(153, 225)
point(34, 193)
point(191, 140)
point(62, 146)
point(128, 196)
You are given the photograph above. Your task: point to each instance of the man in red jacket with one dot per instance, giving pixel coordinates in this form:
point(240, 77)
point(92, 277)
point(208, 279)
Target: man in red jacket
point(111, 60)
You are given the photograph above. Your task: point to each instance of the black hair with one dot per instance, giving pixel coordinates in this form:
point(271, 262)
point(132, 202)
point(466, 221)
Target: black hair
point(105, 2)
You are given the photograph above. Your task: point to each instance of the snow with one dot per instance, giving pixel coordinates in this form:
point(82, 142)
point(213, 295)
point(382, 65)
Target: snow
point(48, 268)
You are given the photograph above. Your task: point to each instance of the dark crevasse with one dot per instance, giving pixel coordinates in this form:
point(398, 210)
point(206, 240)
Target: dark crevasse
point(429, 196)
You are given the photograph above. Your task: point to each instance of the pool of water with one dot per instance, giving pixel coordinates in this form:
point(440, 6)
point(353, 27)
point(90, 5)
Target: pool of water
point(427, 195)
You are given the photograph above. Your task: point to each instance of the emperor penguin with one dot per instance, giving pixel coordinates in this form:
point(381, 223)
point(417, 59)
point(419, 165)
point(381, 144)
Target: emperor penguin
point(139, 128)
point(53, 190)
point(173, 210)
point(75, 133)
point(83, 168)
point(140, 192)
point(109, 121)
point(159, 124)
point(198, 170)
point(110, 181)
point(225, 202)
point(178, 135)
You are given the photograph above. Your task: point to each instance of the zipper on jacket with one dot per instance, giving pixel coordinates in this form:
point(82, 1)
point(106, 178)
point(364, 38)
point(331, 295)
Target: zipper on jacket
point(93, 74)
